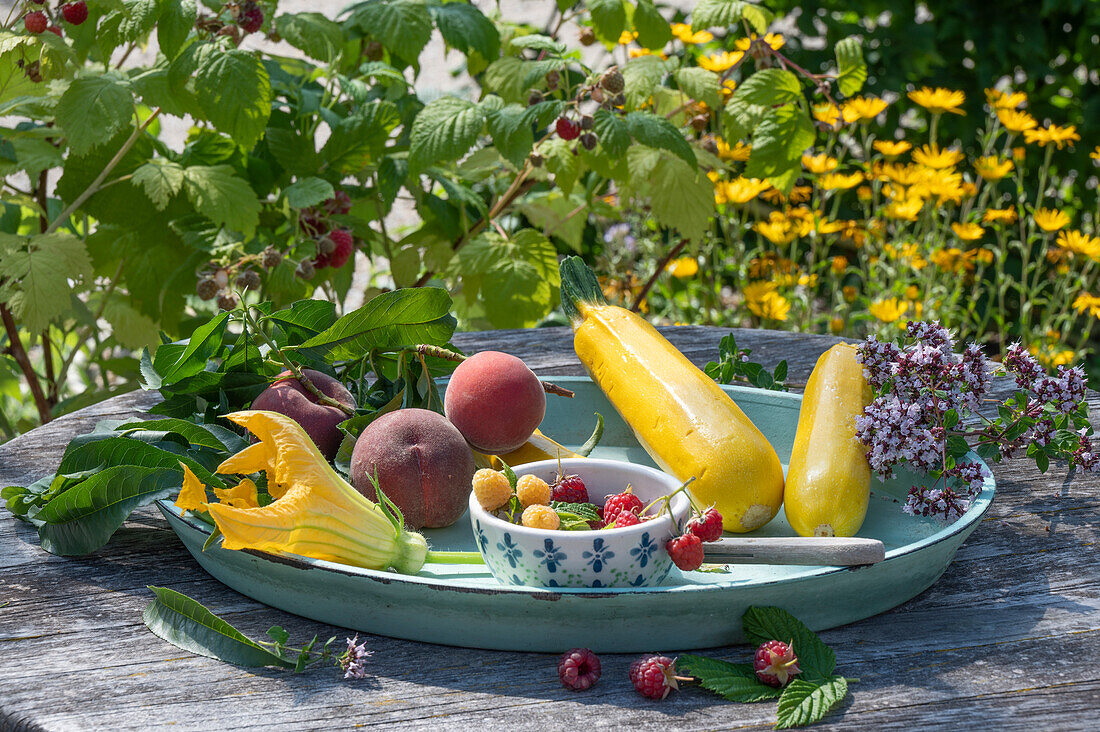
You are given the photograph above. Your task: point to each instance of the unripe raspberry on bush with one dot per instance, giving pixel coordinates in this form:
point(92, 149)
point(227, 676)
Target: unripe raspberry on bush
point(227, 301)
point(587, 36)
point(248, 280)
point(589, 140)
point(699, 122)
point(207, 289)
point(272, 257)
point(374, 51)
point(75, 13)
point(305, 270)
point(612, 80)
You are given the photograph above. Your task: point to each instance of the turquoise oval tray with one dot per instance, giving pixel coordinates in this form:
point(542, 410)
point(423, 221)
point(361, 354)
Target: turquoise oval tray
point(463, 605)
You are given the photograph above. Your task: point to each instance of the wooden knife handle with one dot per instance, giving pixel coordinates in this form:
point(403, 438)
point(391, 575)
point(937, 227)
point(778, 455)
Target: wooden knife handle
point(812, 551)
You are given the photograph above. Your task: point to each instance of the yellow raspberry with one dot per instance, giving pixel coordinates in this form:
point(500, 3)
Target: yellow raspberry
point(532, 490)
point(491, 488)
point(540, 517)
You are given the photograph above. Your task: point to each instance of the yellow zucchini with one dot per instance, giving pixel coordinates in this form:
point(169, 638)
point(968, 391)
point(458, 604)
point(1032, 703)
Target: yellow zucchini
point(829, 480)
point(687, 424)
point(537, 447)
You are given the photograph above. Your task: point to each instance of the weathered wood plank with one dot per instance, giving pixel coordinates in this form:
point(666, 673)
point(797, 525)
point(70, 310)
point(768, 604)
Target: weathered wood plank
point(1007, 635)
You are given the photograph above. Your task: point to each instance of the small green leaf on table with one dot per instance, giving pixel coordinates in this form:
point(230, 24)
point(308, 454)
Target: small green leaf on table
point(763, 624)
point(805, 702)
point(734, 681)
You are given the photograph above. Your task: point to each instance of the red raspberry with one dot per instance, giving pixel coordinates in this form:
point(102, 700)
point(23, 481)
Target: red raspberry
point(251, 19)
point(579, 669)
point(567, 128)
point(312, 224)
point(75, 13)
point(616, 504)
point(707, 527)
point(686, 552)
point(654, 676)
point(345, 245)
point(624, 519)
point(338, 204)
point(55, 29)
point(569, 489)
point(775, 663)
point(35, 22)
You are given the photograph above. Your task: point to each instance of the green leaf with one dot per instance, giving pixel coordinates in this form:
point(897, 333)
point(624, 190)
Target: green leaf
point(950, 418)
point(466, 29)
point(131, 328)
point(700, 84)
point(657, 132)
point(723, 13)
point(35, 274)
point(186, 624)
point(361, 138)
point(518, 277)
point(593, 439)
point(805, 702)
point(734, 681)
point(777, 146)
point(138, 19)
point(539, 43)
point(613, 131)
point(562, 163)
point(313, 34)
point(640, 76)
point(234, 90)
point(403, 26)
point(293, 151)
point(762, 624)
point(218, 194)
point(852, 70)
point(557, 215)
point(739, 119)
point(203, 345)
point(510, 129)
point(679, 196)
point(161, 179)
point(83, 518)
point(390, 320)
point(957, 446)
point(608, 19)
point(505, 77)
point(769, 88)
point(653, 30)
point(308, 192)
point(93, 109)
point(445, 129)
point(175, 25)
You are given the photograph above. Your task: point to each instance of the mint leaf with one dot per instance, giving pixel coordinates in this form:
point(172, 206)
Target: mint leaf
point(734, 681)
point(805, 702)
point(763, 624)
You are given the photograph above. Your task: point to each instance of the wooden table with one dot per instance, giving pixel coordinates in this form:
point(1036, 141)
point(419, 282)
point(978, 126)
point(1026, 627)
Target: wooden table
point(1008, 638)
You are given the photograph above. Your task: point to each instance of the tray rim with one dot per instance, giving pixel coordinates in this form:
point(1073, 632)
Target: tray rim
point(977, 511)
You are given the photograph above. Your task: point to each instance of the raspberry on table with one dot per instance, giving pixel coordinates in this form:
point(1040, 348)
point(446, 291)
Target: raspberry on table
point(540, 517)
point(654, 676)
point(686, 552)
point(491, 488)
point(775, 663)
point(616, 504)
point(569, 489)
point(579, 669)
point(707, 527)
point(532, 490)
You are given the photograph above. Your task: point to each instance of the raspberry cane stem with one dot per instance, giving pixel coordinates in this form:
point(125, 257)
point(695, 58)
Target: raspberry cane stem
point(428, 350)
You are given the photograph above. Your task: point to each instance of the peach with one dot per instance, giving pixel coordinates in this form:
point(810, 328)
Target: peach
point(287, 396)
point(421, 463)
point(495, 401)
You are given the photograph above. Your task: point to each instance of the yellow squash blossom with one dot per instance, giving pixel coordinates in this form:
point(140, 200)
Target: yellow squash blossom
point(968, 231)
point(892, 149)
point(722, 61)
point(192, 495)
point(889, 310)
point(863, 108)
point(1053, 135)
point(1016, 121)
point(1005, 100)
point(1051, 219)
point(934, 157)
point(999, 216)
point(827, 114)
point(686, 35)
point(819, 163)
point(243, 495)
point(840, 181)
point(1079, 243)
point(775, 40)
point(939, 100)
point(992, 168)
point(682, 267)
point(739, 153)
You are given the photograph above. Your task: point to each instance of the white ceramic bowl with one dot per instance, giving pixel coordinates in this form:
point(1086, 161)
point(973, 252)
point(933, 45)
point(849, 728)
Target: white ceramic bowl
point(634, 556)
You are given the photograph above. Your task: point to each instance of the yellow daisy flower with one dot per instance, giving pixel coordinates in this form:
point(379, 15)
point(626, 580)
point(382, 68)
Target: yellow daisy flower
point(905, 209)
point(1095, 154)
point(1086, 302)
point(933, 157)
point(1005, 100)
point(1016, 121)
point(849, 292)
point(1053, 135)
point(722, 61)
point(1079, 243)
point(892, 149)
point(826, 114)
point(993, 168)
point(939, 100)
point(999, 216)
point(682, 267)
point(839, 264)
point(863, 108)
point(840, 181)
point(743, 190)
point(889, 310)
point(627, 37)
point(739, 153)
point(1050, 220)
point(968, 231)
point(687, 36)
point(772, 307)
point(819, 164)
point(775, 40)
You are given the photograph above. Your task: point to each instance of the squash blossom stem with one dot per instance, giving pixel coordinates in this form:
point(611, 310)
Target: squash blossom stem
point(454, 558)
